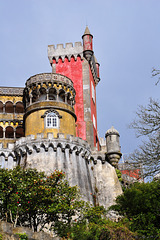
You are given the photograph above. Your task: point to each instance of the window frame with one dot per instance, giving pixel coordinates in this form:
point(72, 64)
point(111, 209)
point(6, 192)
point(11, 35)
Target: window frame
point(52, 120)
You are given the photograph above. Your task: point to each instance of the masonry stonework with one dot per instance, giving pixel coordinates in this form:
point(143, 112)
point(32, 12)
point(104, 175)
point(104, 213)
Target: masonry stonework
point(51, 124)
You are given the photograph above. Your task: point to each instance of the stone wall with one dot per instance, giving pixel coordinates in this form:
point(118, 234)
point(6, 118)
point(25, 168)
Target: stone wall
point(90, 171)
point(8, 232)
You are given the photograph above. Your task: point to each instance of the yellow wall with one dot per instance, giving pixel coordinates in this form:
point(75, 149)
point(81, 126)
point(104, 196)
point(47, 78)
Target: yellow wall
point(9, 116)
point(35, 124)
point(13, 99)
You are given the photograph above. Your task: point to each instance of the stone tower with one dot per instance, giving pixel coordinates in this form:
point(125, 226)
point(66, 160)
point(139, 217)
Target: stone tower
point(49, 100)
point(113, 147)
point(59, 119)
point(78, 63)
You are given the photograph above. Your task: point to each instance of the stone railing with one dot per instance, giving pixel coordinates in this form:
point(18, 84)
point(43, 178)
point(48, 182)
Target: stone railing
point(11, 91)
point(48, 77)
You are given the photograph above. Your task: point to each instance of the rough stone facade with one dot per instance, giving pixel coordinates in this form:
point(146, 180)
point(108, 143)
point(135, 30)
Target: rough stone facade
point(59, 119)
point(9, 232)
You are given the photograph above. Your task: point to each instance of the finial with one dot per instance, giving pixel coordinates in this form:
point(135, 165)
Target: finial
point(87, 31)
point(112, 131)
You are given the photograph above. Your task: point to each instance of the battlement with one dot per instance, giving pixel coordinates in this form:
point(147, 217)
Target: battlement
point(36, 143)
point(68, 51)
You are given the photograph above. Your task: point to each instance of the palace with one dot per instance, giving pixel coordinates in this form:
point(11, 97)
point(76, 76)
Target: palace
point(51, 124)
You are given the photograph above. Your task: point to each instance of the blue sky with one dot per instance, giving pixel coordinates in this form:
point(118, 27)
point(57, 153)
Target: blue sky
point(126, 44)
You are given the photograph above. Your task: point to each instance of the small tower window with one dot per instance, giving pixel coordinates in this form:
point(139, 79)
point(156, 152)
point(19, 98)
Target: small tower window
point(52, 120)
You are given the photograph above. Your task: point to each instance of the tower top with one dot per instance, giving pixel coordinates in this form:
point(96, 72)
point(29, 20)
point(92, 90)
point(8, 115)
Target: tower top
point(87, 32)
point(112, 131)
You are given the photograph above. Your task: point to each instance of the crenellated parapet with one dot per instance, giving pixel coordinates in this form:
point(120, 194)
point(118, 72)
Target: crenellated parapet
point(90, 171)
point(62, 52)
point(31, 144)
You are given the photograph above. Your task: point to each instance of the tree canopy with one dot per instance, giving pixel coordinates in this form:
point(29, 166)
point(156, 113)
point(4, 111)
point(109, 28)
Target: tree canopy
point(147, 123)
point(141, 206)
point(32, 199)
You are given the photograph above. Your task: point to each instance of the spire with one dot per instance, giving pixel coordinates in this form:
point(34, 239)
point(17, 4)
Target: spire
point(87, 32)
point(87, 43)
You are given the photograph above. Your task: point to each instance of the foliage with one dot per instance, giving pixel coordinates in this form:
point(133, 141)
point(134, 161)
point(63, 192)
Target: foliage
point(119, 175)
point(141, 206)
point(30, 198)
point(22, 236)
point(95, 226)
point(147, 123)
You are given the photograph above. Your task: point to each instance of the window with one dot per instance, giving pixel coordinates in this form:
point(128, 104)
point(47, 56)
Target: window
point(9, 133)
point(9, 107)
point(52, 120)
point(93, 92)
point(19, 107)
point(94, 121)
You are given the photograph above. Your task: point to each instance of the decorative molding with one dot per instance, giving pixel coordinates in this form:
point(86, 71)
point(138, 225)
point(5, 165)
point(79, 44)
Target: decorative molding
point(47, 78)
point(11, 91)
point(14, 121)
point(51, 111)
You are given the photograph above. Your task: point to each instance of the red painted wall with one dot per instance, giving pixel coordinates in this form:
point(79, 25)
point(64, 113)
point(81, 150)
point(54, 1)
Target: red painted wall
point(73, 70)
point(134, 173)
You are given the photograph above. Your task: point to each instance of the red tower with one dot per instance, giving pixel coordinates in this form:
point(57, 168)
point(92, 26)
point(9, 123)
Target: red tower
point(79, 64)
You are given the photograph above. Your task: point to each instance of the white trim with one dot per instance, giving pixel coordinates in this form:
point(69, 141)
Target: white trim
point(52, 120)
point(93, 92)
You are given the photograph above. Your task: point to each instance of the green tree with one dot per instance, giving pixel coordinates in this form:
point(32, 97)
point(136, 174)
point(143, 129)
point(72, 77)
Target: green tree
point(141, 206)
point(95, 226)
point(30, 198)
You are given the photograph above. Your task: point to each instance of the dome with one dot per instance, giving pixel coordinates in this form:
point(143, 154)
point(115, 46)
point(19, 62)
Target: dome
point(111, 131)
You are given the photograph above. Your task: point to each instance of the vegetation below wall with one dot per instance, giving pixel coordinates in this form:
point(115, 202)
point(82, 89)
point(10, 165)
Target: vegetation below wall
point(31, 199)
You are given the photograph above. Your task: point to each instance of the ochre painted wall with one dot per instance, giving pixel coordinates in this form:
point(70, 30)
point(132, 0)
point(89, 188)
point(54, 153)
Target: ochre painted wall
point(10, 117)
point(13, 99)
point(34, 123)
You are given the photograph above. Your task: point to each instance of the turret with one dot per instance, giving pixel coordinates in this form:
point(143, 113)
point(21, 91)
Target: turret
point(49, 100)
point(87, 44)
point(113, 146)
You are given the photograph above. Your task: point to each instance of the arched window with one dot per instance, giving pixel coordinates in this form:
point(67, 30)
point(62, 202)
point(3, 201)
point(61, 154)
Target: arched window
point(9, 107)
point(19, 132)
point(19, 107)
point(9, 133)
point(52, 120)
point(1, 132)
point(62, 96)
point(69, 98)
point(42, 95)
point(52, 94)
point(34, 96)
point(1, 107)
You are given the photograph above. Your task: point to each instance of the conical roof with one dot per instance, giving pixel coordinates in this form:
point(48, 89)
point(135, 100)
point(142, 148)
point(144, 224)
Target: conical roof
point(87, 32)
point(112, 131)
